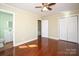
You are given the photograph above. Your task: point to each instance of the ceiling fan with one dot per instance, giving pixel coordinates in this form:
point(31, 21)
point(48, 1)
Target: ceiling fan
point(46, 6)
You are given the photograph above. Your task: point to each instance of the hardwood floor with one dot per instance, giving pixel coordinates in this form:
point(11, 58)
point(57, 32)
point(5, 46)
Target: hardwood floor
point(7, 50)
point(46, 47)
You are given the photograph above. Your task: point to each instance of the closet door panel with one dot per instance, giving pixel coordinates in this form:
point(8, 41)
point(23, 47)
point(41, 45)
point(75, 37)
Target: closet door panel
point(72, 29)
point(78, 29)
point(63, 29)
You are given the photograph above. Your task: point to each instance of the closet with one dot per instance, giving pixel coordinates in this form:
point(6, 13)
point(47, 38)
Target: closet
point(68, 28)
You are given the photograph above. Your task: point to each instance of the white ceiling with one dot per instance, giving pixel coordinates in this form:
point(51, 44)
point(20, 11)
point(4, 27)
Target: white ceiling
point(59, 7)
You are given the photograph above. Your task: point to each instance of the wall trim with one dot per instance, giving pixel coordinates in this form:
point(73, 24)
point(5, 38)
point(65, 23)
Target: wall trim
point(68, 16)
point(54, 38)
point(20, 43)
point(7, 11)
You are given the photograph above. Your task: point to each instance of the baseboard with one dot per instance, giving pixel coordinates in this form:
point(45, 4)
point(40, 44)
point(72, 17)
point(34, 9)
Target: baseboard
point(54, 38)
point(20, 43)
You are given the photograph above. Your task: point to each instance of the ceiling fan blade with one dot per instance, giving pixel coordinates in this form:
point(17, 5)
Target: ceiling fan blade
point(51, 4)
point(49, 8)
point(44, 4)
point(38, 7)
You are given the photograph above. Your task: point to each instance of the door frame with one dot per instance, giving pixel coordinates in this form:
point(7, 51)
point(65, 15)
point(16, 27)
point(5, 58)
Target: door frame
point(39, 28)
point(10, 12)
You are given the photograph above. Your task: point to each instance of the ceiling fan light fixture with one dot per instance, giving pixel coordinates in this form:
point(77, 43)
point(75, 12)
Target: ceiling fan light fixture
point(46, 6)
point(45, 9)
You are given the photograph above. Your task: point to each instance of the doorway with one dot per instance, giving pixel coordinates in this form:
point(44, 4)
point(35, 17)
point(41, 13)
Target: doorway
point(42, 33)
point(43, 28)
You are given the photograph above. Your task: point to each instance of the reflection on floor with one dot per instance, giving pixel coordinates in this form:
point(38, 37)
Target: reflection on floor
point(46, 47)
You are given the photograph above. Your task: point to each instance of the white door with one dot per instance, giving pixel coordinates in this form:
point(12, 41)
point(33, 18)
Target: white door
point(6, 27)
point(44, 28)
point(8, 36)
point(72, 29)
point(78, 29)
point(63, 29)
point(68, 29)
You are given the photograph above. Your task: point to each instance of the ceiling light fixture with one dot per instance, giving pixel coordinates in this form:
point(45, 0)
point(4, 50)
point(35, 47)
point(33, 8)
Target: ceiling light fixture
point(46, 6)
point(45, 9)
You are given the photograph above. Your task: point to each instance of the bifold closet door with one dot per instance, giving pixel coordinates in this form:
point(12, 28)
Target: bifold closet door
point(63, 29)
point(78, 29)
point(68, 29)
point(72, 29)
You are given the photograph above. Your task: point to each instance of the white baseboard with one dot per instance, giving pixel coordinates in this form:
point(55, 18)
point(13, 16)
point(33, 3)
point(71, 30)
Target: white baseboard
point(20, 43)
point(54, 38)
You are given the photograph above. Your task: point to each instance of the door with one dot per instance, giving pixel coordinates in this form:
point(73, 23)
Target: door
point(78, 29)
point(72, 29)
point(6, 32)
point(68, 29)
point(63, 29)
point(44, 28)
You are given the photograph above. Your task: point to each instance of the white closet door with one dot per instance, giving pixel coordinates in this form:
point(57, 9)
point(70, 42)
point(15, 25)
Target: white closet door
point(78, 29)
point(72, 29)
point(63, 29)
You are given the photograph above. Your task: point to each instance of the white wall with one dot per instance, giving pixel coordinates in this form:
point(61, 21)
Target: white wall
point(53, 27)
point(25, 24)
